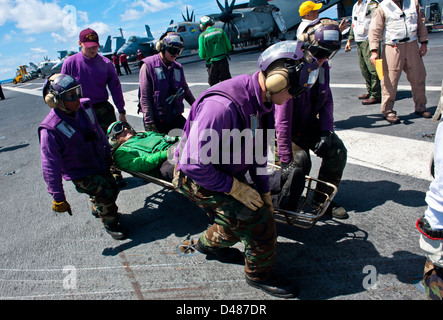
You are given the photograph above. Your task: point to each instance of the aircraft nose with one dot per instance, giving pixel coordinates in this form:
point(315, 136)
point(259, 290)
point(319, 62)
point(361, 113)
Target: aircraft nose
point(127, 49)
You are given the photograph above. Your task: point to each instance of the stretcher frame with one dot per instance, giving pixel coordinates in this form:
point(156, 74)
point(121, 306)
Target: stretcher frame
point(307, 213)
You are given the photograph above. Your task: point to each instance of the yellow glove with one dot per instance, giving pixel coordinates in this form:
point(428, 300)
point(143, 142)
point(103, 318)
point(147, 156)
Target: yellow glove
point(61, 206)
point(246, 195)
point(266, 197)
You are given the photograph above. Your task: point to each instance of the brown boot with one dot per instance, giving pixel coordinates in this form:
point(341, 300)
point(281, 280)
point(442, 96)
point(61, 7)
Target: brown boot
point(392, 118)
point(363, 96)
point(370, 101)
point(424, 114)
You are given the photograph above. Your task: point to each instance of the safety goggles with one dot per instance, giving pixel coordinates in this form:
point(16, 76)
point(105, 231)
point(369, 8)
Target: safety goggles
point(304, 75)
point(174, 51)
point(118, 128)
point(72, 94)
point(322, 53)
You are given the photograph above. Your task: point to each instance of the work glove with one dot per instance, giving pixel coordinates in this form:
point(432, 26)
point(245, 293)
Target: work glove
point(246, 195)
point(61, 206)
point(322, 147)
point(266, 197)
point(151, 127)
point(425, 228)
point(286, 169)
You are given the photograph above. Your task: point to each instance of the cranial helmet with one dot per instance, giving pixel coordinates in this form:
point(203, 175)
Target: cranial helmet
point(286, 66)
point(61, 87)
point(170, 41)
point(206, 21)
point(116, 128)
point(322, 39)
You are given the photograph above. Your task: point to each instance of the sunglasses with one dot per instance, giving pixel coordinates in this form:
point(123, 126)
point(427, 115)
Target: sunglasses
point(174, 51)
point(72, 94)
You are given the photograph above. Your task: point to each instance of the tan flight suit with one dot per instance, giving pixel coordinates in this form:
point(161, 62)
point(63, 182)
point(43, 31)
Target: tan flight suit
point(401, 56)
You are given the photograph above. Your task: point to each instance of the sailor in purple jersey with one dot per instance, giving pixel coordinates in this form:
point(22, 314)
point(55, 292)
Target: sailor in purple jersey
point(241, 212)
point(307, 122)
point(75, 148)
point(96, 74)
point(163, 87)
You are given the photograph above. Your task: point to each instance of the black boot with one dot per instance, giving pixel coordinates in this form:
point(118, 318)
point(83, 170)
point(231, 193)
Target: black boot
point(334, 209)
point(226, 255)
point(121, 183)
point(337, 211)
point(276, 286)
point(116, 231)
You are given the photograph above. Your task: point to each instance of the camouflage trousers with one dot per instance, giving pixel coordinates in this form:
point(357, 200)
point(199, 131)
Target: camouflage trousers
point(433, 281)
point(233, 222)
point(103, 192)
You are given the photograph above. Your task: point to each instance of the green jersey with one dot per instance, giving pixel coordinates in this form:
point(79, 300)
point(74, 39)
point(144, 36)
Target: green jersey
point(144, 152)
point(213, 45)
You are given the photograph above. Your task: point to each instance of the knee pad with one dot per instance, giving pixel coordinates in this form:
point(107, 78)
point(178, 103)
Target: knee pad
point(303, 160)
point(292, 190)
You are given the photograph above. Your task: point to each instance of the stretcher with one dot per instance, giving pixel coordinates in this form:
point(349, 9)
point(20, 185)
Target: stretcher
point(305, 215)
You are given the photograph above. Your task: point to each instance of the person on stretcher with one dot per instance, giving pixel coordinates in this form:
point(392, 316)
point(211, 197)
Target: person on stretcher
point(142, 152)
point(147, 152)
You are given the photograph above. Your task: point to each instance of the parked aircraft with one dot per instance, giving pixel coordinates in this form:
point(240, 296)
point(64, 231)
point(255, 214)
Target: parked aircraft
point(45, 67)
point(63, 55)
point(144, 44)
point(433, 10)
point(257, 20)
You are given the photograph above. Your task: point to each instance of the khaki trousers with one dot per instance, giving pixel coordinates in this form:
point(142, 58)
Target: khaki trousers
point(403, 57)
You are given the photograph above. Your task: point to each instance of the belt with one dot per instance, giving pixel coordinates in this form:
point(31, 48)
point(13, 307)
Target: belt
point(404, 39)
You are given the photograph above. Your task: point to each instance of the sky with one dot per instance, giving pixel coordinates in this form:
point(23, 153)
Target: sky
point(31, 30)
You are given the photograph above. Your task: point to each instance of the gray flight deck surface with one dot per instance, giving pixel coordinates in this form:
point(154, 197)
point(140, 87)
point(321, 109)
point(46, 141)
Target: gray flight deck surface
point(373, 255)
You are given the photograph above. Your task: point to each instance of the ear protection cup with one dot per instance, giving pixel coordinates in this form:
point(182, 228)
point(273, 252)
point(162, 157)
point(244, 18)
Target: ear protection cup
point(158, 45)
point(315, 34)
point(304, 37)
point(277, 80)
point(49, 98)
point(50, 101)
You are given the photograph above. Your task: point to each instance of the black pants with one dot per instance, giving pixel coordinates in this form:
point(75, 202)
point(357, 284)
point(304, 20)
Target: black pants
point(126, 67)
point(166, 127)
point(104, 111)
point(218, 71)
point(119, 72)
point(333, 165)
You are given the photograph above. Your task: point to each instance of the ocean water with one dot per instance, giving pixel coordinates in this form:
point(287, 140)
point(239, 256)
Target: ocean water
point(6, 80)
